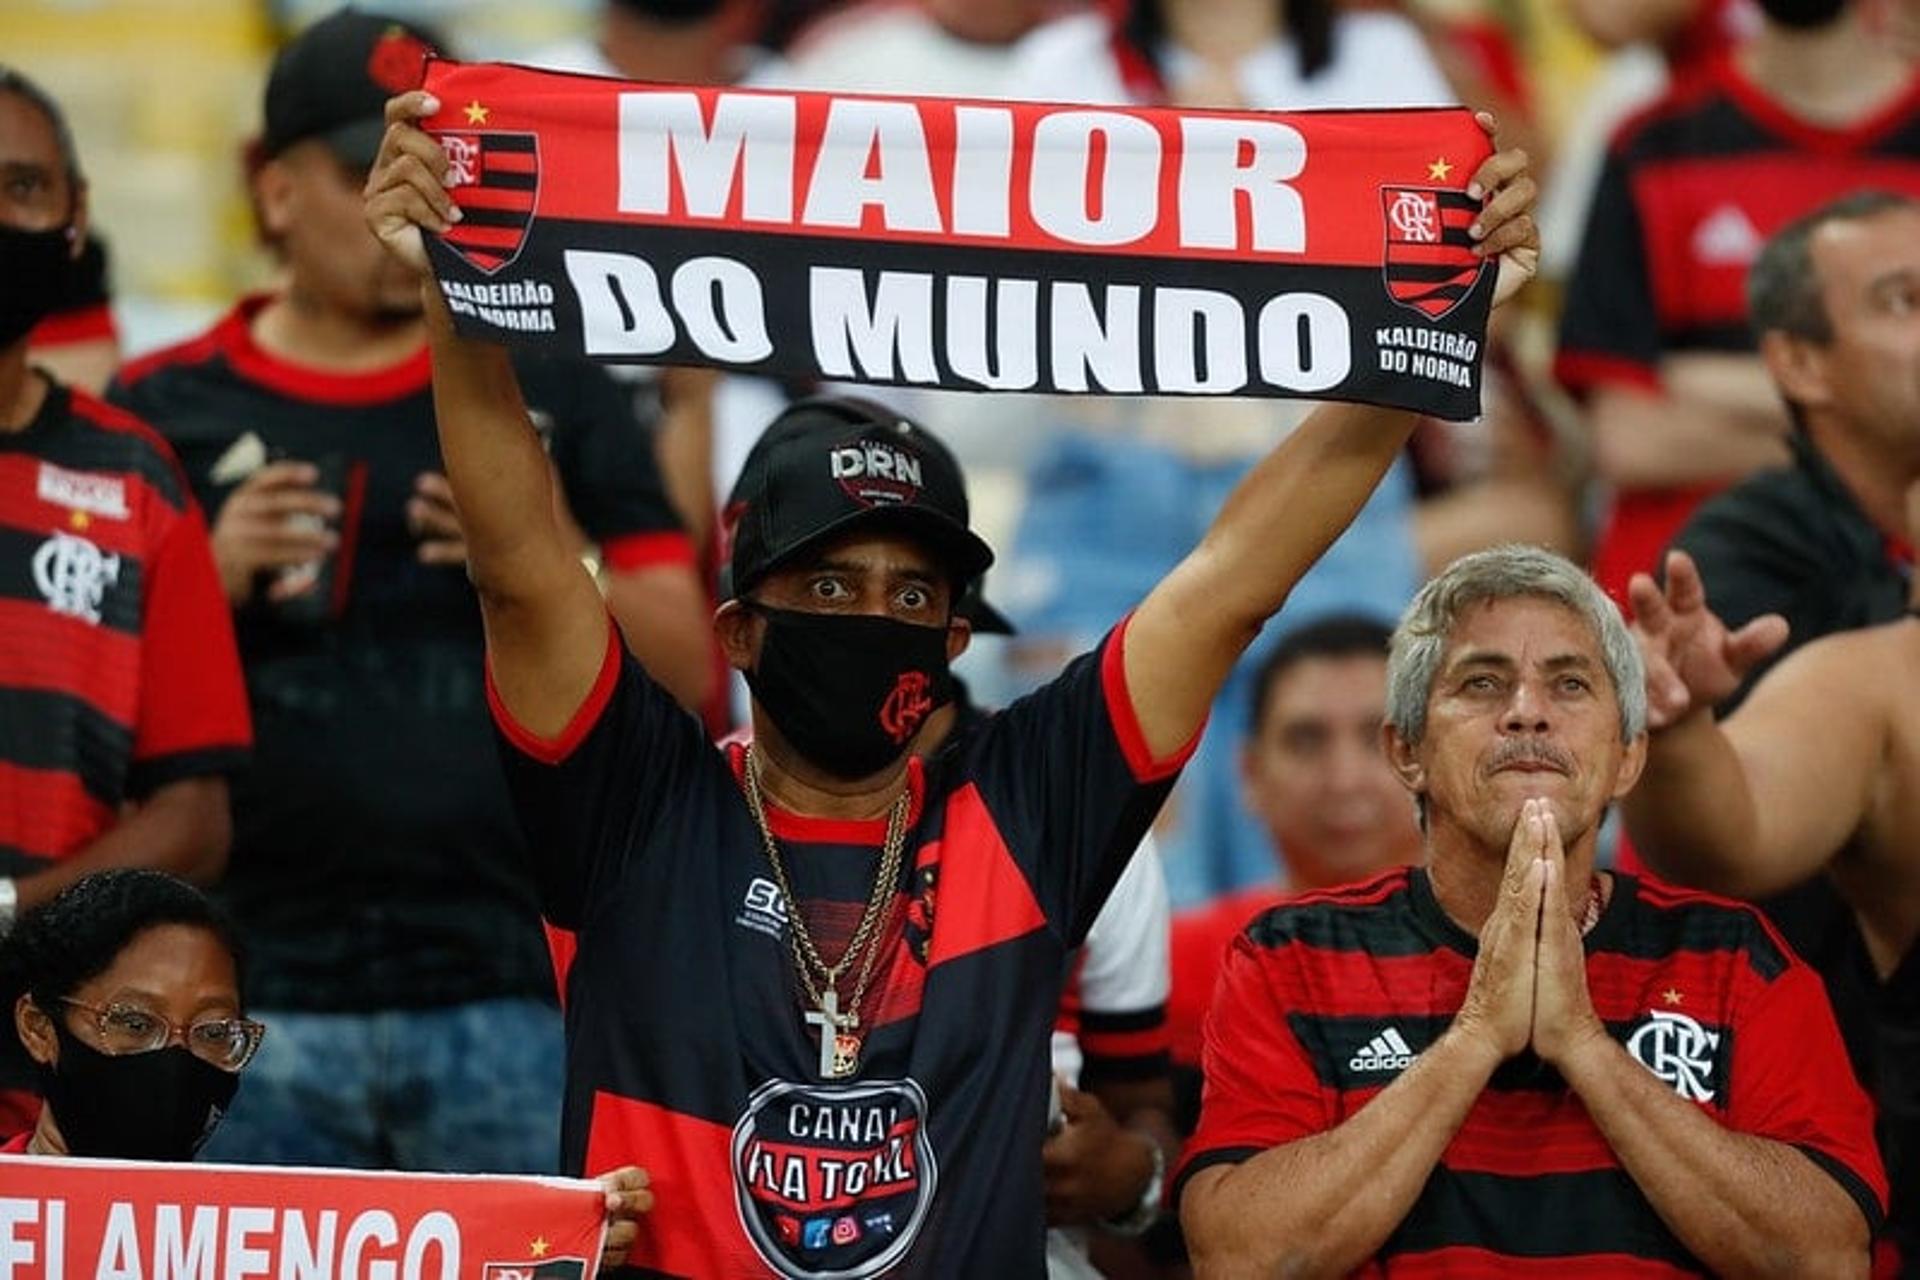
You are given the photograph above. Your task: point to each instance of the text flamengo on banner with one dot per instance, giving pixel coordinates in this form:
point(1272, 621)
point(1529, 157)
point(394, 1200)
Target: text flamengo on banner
point(101, 1219)
point(985, 246)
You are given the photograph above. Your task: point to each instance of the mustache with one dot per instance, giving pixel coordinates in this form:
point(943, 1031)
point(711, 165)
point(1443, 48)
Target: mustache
point(1529, 751)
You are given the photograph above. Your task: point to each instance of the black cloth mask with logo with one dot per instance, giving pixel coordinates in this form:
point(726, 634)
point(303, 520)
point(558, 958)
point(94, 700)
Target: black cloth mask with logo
point(33, 276)
point(161, 1105)
point(849, 691)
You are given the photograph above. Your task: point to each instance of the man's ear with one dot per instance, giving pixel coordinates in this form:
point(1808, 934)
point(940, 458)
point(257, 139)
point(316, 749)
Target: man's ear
point(36, 1032)
point(273, 197)
point(1798, 367)
point(1632, 761)
point(1403, 758)
point(959, 636)
point(78, 232)
point(738, 631)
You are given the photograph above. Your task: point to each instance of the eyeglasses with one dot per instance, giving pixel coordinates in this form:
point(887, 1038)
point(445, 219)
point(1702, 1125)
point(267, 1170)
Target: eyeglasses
point(227, 1043)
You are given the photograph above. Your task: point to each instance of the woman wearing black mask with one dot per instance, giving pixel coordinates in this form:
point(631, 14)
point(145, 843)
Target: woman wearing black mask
point(128, 1000)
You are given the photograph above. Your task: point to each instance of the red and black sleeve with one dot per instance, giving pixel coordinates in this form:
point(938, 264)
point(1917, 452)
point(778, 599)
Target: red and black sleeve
point(1261, 1089)
point(581, 794)
point(1791, 1082)
point(193, 718)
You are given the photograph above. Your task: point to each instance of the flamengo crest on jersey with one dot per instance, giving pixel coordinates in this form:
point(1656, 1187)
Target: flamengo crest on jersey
point(74, 574)
point(1678, 1050)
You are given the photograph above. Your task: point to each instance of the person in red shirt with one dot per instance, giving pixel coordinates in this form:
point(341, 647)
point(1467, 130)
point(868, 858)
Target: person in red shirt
point(121, 706)
point(1506, 1061)
point(1313, 773)
point(1654, 336)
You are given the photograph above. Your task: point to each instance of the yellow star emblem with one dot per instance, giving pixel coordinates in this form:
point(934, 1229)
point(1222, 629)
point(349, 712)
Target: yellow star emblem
point(538, 1248)
point(1672, 996)
point(79, 520)
point(476, 114)
point(1439, 169)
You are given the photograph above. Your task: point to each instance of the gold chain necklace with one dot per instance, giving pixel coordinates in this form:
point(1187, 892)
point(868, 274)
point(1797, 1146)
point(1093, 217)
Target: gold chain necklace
point(839, 1032)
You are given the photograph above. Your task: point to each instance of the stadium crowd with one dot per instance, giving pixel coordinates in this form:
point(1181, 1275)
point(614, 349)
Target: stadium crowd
point(1218, 836)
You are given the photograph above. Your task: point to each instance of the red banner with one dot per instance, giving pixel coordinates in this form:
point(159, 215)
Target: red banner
point(115, 1220)
point(975, 245)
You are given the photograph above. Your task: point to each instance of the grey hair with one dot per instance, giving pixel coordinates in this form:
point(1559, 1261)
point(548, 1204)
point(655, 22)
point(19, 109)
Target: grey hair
point(1504, 573)
point(1783, 289)
point(16, 82)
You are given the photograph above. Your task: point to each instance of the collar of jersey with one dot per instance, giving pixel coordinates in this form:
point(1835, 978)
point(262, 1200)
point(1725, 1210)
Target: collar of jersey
point(250, 360)
point(1810, 135)
point(806, 829)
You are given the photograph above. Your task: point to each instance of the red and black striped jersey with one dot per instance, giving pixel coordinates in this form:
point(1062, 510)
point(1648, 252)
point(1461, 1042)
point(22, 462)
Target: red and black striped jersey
point(687, 1046)
point(1691, 188)
point(119, 674)
point(1326, 998)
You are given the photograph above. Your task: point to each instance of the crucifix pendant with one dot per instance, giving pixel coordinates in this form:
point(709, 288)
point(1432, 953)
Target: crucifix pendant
point(839, 1047)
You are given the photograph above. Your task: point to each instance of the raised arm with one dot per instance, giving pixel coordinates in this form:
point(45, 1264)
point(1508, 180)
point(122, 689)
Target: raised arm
point(1756, 805)
point(1192, 628)
point(546, 625)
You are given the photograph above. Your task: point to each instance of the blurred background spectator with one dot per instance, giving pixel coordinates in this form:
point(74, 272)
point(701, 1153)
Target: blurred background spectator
point(1655, 334)
point(122, 716)
point(377, 874)
point(1313, 773)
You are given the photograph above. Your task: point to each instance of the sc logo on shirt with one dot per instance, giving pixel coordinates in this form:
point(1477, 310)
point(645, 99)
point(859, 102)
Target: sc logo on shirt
point(762, 910)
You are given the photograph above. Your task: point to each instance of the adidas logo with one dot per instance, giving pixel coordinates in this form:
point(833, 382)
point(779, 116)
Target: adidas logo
point(1387, 1051)
point(1727, 238)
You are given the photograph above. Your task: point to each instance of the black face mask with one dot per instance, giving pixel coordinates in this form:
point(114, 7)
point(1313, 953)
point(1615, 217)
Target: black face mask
point(849, 692)
point(1803, 14)
point(140, 1106)
point(33, 275)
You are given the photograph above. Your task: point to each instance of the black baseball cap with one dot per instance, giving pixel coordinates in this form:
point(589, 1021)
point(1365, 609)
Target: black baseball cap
point(332, 82)
point(831, 464)
point(975, 608)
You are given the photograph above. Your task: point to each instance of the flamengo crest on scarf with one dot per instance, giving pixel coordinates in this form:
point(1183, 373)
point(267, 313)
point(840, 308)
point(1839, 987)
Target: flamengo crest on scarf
point(907, 240)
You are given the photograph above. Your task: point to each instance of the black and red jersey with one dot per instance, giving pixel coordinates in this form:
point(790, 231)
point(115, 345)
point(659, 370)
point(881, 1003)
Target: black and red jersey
point(687, 1049)
point(118, 674)
point(1691, 189)
point(1326, 998)
point(376, 862)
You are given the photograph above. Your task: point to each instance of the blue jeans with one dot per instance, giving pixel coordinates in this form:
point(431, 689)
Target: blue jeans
point(469, 1088)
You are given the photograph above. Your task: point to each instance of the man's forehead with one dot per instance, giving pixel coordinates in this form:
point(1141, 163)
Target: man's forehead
point(1849, 252)
point(27, 137)
point(878, 552)
point(1319, 676)
point(1517, 629)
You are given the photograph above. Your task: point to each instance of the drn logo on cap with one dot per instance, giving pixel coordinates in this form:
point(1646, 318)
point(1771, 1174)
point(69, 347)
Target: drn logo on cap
point(831, 465)
point(876, 471)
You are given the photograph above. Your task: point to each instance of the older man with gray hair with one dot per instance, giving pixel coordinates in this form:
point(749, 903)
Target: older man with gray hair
point(1506, 1059)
